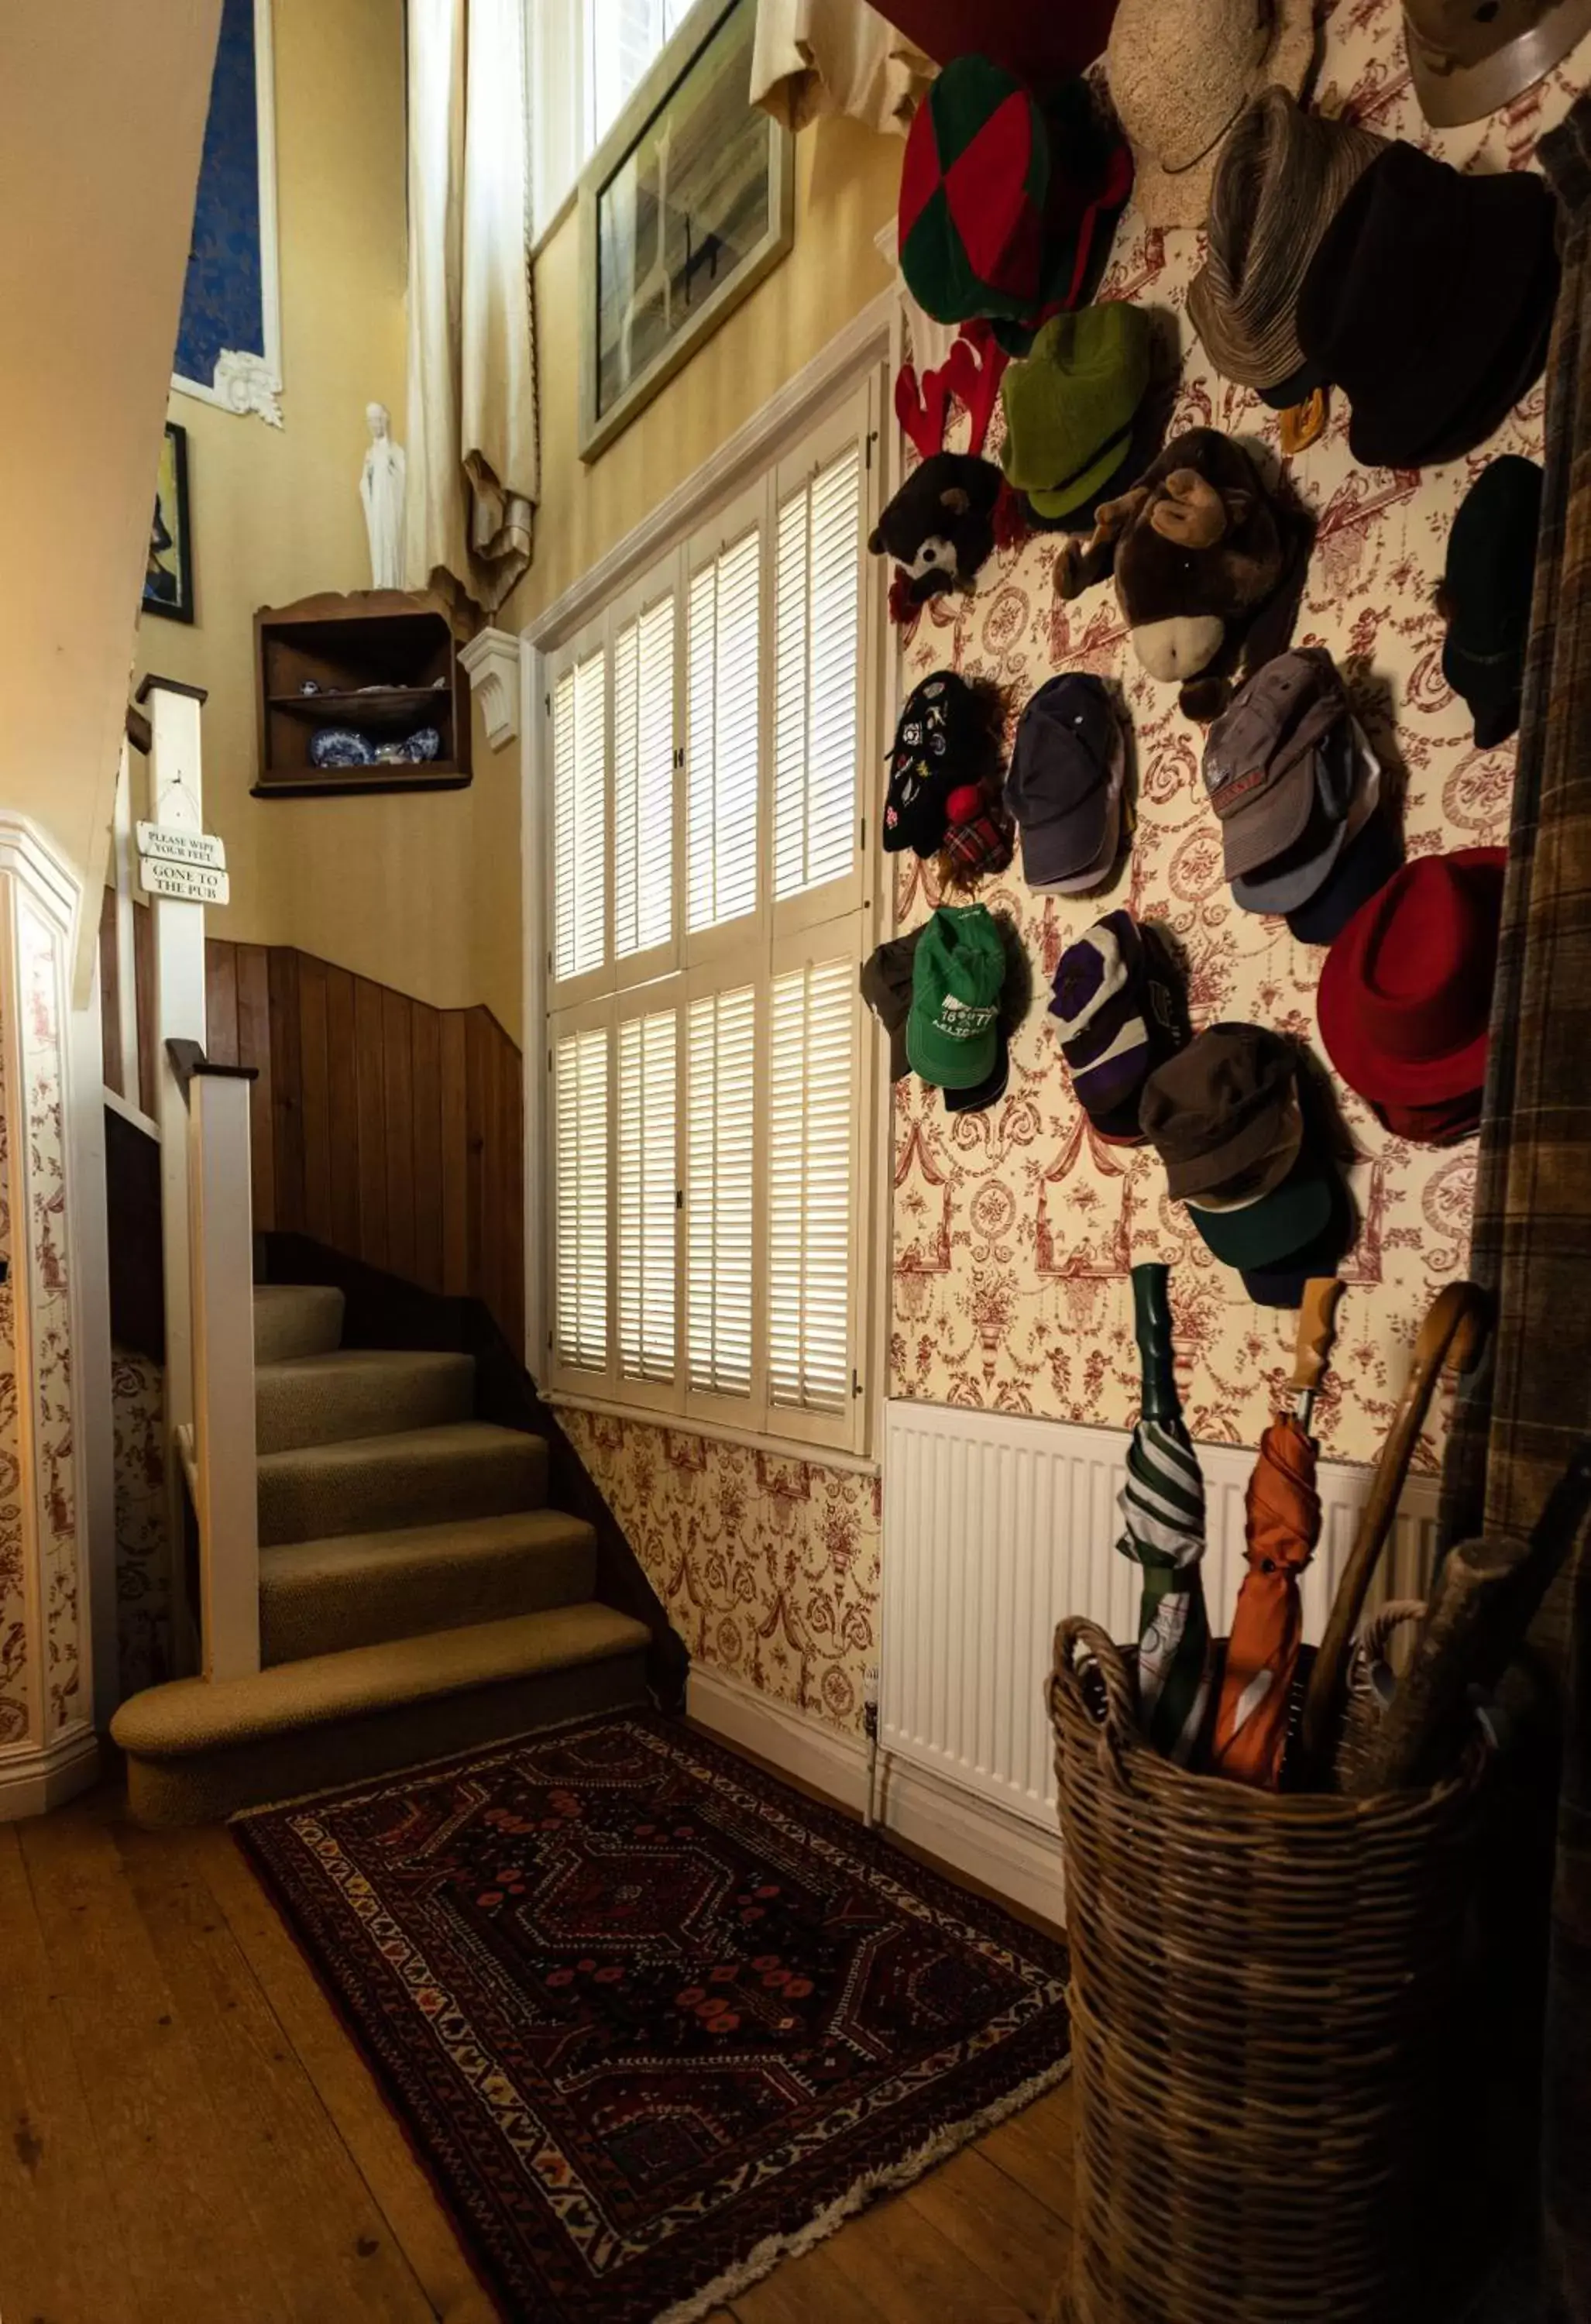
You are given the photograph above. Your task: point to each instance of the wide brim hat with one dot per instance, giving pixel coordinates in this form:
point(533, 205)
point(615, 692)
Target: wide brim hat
point(1429, 301)
point(1181, 78)
point(1404, 1000)
point(1279, 179)
point(1466, 61)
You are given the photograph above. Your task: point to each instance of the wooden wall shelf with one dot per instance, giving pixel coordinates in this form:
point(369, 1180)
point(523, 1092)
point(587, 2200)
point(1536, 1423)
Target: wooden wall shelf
point(383, 662)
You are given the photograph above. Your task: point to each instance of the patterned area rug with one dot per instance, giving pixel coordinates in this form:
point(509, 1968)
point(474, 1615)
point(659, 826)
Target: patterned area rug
point(653, 2020)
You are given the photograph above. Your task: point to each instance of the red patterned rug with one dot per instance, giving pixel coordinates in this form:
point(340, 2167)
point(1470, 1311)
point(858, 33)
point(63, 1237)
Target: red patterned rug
point(652, 2020)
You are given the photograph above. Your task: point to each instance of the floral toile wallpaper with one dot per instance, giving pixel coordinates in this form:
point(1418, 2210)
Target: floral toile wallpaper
point(768, 1567)
point(1014, 1230)
point(13, 1627)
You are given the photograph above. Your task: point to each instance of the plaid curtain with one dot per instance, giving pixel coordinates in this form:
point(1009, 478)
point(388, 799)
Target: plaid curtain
point(1528, 1407)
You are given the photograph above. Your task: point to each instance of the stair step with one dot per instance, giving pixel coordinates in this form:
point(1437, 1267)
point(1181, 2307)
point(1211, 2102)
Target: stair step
point(199, 1748)
point(364, 1590)
point(353, 1392)
point(424, 1476)
point(295, 1319)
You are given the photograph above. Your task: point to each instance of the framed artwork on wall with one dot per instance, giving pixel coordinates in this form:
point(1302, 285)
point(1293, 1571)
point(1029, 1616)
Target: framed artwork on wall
point(168, 580)
point(229, 336)
point(686, 205)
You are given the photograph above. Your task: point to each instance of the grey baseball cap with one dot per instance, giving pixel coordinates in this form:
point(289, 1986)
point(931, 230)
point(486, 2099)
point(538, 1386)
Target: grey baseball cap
point(1064, 786)
point(1280, 767)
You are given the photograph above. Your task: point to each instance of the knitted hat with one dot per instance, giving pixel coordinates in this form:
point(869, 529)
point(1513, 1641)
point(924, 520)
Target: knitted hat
point(1071, 405)
point(1279, 179)
point(1429, 301)
point(1486, 594)
point(1180, 77)
point(952, 1033)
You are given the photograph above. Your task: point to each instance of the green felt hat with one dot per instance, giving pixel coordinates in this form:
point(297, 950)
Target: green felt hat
point(1070, 406)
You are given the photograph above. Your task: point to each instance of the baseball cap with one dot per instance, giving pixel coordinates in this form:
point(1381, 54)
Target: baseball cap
point(1065, 788)
point(1282, 755)
point(953, 1032)
point(1220, 1108)
point(887, 987)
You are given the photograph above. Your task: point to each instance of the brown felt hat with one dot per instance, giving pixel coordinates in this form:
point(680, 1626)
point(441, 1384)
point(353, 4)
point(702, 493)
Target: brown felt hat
point(1278, 181)
point(1180, 77)
point(1222, 1109)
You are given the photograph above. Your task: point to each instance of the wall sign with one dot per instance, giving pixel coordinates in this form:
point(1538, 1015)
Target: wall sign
point(172, 846)
point(183, 883)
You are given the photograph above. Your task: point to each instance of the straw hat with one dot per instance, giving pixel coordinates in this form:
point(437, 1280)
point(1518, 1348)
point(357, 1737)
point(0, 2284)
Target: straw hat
point(1278, 181)
point(1180, 75)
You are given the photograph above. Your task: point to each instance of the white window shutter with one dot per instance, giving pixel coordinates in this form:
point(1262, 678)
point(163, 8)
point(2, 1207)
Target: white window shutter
point(580, 916)
point(817, 616)
point(721, 749)
point(811, 1141)
point(580, 1229)
point(643, 781)
point(647, 1197)
point(720, 1190)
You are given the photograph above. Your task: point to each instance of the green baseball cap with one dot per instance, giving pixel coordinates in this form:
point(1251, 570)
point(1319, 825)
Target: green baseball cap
point(952, 1033)
point(1070, 404)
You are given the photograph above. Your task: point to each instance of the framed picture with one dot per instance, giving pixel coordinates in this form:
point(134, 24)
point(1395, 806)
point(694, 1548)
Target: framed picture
point(229, 334)
point(686, 204)
point(167, 581)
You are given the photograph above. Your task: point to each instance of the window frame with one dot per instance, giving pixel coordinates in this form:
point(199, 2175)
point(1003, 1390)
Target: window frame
point(837, 919)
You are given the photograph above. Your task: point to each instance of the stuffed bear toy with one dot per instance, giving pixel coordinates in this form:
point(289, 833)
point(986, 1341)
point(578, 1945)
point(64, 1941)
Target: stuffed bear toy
point(940, 525)
point(1201, 552)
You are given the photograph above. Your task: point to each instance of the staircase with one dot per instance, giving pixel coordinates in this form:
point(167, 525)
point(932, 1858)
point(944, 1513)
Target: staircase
point(416, 1596)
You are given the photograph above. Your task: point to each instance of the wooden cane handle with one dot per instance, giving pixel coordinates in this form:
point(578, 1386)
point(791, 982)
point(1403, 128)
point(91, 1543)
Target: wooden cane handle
point(1317, 1328)
point(1451, 1337)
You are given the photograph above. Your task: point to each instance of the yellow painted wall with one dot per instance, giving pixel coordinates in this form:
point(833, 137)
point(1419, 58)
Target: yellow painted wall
point(847, 178)
point(419, 892)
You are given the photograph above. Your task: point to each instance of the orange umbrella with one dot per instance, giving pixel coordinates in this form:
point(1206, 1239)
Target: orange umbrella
point(1284, 1525)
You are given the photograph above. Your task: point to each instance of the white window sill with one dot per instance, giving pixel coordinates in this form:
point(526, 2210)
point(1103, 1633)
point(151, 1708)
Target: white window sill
point(781, 1448)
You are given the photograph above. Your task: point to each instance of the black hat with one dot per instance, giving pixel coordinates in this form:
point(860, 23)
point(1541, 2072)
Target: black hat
point(1365, 866)
point(887, 987)
point(1429, 301)
point(1486, 594)
point(1282, 1283)
point(947, 735)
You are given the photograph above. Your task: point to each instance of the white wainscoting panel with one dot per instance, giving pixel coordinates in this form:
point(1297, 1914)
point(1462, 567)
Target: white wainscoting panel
point(996, 1526)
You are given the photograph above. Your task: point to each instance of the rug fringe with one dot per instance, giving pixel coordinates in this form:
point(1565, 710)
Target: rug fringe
point(888, 2180)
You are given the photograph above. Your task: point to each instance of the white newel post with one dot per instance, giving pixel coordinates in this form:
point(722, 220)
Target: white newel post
point(225, 1489)
point(48, 1748)
point(176, 803)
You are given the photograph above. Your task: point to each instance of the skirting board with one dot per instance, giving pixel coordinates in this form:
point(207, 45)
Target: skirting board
point(31, 1783)
point(1007, 1853)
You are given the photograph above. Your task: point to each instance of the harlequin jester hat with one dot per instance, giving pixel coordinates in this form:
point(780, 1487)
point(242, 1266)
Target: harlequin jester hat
point(1006, 208)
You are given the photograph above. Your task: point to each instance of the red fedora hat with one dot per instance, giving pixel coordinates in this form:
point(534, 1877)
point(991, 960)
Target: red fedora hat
point(1405, 993)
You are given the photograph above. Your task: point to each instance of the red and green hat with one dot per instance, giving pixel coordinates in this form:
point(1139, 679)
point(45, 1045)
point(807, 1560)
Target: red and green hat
point(1004, 204)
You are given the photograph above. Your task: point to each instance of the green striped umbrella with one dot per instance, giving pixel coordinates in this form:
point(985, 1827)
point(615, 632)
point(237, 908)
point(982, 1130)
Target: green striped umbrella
point(1163, 1508)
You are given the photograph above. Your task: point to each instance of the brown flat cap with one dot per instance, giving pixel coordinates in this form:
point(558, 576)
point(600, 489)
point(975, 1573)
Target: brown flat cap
point(1220, 1108)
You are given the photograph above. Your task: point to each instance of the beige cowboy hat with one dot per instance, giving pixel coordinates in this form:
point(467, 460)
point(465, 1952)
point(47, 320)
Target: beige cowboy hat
point(1467, 61)
point(1182, 75)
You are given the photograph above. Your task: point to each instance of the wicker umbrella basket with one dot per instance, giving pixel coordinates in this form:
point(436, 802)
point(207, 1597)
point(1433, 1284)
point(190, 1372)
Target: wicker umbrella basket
point(1264, 2018)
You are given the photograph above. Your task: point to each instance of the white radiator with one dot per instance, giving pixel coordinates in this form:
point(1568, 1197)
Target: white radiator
point(995, 1528)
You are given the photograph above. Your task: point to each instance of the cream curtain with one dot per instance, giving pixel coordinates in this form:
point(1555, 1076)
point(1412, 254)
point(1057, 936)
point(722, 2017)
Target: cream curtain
point(473, 458)
point(835, 56)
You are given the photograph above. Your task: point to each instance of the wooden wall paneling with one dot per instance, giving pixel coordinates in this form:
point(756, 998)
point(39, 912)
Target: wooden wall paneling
point(368, 1066)
point(513, 1178)
point(314, 1065)
point(427, 1145)
point(221, 1001)
point(110, 995)
point(143, 990)
point(287, 1111)
point(343, 1112)
point(397, 1081)
point(476, 1033)
point(254, 1048)
point(456, 1154)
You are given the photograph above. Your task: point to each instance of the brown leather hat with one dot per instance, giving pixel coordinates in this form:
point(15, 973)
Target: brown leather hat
point(1467, 61)
point(1222, 1109)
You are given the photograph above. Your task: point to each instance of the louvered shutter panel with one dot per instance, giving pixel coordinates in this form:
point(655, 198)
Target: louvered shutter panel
point(817, 651)
point(580, 930)
point(643, 781)
point(811, 1136)
point(719, 1138)
point(722, 741)
point(647, 1191)
point(580, 1232)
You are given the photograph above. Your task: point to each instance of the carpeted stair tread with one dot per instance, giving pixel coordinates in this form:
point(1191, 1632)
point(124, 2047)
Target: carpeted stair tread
point(355, 1392)
point(190, 1716)
point(357, 1589)
point(420, 1476)
point(295, 1319)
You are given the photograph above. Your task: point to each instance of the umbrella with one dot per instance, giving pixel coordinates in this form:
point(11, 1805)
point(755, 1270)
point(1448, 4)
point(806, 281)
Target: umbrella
point(1163, 1508)
point(1284, 1525)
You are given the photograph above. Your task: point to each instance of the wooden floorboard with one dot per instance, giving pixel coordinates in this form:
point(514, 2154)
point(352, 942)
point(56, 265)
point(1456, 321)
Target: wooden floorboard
point(190, 2137)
